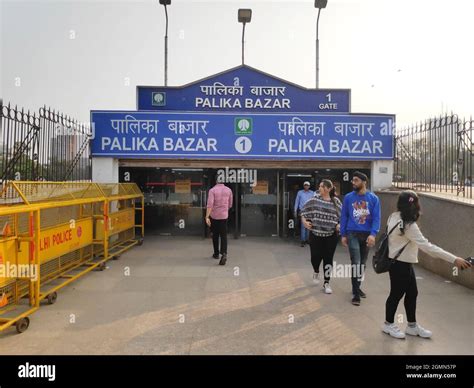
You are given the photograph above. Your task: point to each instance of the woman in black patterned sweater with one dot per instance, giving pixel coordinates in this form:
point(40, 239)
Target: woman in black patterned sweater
point(321, 215)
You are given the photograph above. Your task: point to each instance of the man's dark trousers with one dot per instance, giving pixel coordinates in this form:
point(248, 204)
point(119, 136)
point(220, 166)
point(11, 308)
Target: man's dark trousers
point(219, 229)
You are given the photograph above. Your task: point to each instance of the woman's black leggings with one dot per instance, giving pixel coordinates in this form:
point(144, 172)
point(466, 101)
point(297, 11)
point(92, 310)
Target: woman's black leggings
point(402, 282)
point(322, 249)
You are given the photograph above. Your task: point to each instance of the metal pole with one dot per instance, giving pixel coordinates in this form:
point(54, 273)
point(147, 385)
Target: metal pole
point(317, 49)
point(278, 202)
point(166, 47)
point(237, 211)
point(243, 42)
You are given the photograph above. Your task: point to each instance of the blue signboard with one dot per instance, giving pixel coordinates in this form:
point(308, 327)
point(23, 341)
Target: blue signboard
point(200, 135)
point(243, 89)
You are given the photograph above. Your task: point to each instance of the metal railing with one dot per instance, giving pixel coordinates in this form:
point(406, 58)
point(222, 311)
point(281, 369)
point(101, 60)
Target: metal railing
point(53, 233)
point(43, 146)
point(436, 156)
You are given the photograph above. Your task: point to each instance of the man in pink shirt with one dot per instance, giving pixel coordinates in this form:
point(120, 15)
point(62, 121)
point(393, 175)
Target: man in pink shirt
point(218, 204)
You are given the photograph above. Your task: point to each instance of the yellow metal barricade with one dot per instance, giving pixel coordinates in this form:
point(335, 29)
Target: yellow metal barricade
point(120, 217)
point(66, 229)
point(19, 264)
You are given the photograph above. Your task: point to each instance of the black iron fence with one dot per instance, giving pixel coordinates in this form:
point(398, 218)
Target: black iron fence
point(436, 156)
point(43, 146)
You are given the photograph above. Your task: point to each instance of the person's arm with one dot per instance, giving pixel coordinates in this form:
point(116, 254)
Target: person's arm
point(304, 209)
point(375, 217)
point(307, 224)
point(210, 199)
point(338, 204)
point(210, 205)
point(375, 204)
point(413, 233)
point(230, 199)
point(304, 213)
point(297, 203)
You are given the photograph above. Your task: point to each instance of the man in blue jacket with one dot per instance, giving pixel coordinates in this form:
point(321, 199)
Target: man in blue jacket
point(302, 197)
point(360, 223)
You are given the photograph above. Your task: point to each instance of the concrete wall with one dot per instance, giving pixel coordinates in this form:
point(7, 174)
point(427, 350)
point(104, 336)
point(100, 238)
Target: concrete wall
point(105, 170)
point(445, 222)
point(382, 173)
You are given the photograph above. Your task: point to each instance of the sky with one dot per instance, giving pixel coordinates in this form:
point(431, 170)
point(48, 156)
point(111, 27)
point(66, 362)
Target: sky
point(412, 58)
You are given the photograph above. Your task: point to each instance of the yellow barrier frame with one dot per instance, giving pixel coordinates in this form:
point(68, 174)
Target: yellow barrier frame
point(16, 314)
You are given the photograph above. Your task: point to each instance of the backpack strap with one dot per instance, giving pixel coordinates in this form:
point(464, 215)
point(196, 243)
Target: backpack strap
point(389, 233)
point(388, 222)
point(401, 250)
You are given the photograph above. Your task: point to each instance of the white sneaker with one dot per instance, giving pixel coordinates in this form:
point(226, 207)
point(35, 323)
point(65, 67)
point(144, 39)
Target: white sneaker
point(418, 330)
point(327, 288)
point(393, 330)
point(316, 278)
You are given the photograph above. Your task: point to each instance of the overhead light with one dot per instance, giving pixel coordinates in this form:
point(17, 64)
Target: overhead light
point(320, 3)
point(245, 15)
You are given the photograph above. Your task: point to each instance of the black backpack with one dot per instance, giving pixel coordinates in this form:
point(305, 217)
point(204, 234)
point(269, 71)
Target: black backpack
point(381, 262)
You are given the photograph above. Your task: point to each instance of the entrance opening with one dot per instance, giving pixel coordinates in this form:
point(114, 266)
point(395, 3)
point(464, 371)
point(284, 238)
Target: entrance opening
point(263, 198)
point(292, 182)
point(175, 199)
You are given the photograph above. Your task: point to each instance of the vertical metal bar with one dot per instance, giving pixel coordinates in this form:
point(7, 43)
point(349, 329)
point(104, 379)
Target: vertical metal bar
point(166, 47)
point(279, 196)
point(49, 145)
point(2, 134)
point(470, 153)
point(7, 141)
point(243, 43)
point(37, 257)
point(62, 142)
point(453, 146)
point(237, 211)
point(436, 156)
point(317, 49)
point(32, 254)
point(432, 153)
point(423, 148)
point(410, 152)
point(444, 129)
point(142, 205)
point(52, 145)
point(21, 135)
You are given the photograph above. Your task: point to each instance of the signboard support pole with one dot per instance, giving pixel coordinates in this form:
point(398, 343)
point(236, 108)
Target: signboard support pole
point(317, 50)
point(166, 48)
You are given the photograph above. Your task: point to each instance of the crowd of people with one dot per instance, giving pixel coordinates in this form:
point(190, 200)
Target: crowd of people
point(355, 221)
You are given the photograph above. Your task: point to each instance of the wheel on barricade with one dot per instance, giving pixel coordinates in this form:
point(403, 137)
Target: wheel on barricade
point(140, 241)
point(116, 257)
point(22, 325)
point(52, 298)
point(101, 266)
